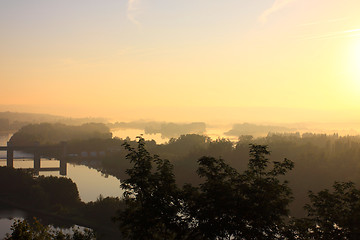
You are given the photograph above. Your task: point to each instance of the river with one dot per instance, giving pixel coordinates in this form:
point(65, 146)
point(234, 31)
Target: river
point(7, 217)
point(90, 182)
point(214, 132)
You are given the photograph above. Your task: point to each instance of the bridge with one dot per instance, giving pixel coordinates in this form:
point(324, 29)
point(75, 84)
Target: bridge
point(37, 150)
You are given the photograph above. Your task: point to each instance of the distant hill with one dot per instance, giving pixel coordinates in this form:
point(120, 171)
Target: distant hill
point(256, 130)
point(53, 133)
point(166, 129)
point(12, 121)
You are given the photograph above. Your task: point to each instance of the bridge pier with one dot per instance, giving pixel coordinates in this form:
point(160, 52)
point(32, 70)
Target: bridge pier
point(63, 167)
point(37, 150)
point(37, 162)
point(10, 157)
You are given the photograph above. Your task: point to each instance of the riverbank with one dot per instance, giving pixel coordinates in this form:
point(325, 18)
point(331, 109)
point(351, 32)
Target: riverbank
point(55, 201)
point(74, 218)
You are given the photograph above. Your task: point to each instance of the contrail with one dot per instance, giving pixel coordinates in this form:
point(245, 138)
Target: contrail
point(334, 20)
point(277, 5)
point(132, 11)
point(341, 34)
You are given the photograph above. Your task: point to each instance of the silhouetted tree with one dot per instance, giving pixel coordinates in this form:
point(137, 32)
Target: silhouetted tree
point(268, 197)
point(211, 208)
point(59, 190)
point(151, 197)
point(23, 230)
point(233, 205)
point(332, 215)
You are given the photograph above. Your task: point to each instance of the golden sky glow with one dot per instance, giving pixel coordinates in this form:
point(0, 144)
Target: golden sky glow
point(152, 59)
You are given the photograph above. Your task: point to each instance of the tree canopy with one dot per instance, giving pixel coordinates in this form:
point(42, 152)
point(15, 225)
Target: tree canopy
point(25, 230)
point(227, 204)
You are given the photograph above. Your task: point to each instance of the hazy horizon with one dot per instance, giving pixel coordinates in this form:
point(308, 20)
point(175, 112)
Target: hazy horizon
point(227, 126)
point(212, 87)
point(273, 61)
point(214, 115)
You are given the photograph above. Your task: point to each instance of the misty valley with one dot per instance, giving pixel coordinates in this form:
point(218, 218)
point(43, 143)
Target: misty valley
point(188, 186)
point(180, 120)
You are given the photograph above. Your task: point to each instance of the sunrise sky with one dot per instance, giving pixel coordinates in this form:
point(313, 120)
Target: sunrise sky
point(248, 60)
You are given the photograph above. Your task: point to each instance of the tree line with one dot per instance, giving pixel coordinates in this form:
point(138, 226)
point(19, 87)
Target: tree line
point(56, 201)
point(319, 158)
point(228, 204)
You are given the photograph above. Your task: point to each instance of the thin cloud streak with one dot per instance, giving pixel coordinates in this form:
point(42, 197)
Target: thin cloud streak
point(132, 11)
point(352, 30)
point(340, 34)
point(277, 5)
point(324, 22)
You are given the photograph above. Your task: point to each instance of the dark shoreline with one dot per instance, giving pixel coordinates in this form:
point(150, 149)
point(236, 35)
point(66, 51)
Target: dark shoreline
point(4, 132)
point(61, 221)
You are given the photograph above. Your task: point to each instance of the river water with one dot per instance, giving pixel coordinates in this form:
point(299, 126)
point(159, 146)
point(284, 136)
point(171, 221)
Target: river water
point(214, 132)
point(90, 182)
point(7, 217)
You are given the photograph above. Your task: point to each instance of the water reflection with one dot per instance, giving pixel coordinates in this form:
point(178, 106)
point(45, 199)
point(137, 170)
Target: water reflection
point(214, 132)
point(7, 217)
point(5, 225)
point(133, 133)
point(90, 182)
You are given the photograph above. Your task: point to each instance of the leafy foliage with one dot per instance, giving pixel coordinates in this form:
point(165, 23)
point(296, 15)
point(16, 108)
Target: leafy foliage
point(21, 187)
point(57, 196)
point(23, 230)
point(59, 190)
point(53, 133)
point(227, 204)
point(249, 205)
point(151, 197)
point(332, 215)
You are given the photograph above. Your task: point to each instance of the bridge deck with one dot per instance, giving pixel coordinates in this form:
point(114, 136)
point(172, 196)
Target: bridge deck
point(30, 148)
point(49, 169)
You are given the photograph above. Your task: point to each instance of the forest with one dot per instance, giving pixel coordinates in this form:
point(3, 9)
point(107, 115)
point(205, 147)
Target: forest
point(319, 159)
point(227, 204)
point(180, 120)
point(285, 184)
point(13, 121)
point(53, 133)
point(166, 129)
point(56, 201)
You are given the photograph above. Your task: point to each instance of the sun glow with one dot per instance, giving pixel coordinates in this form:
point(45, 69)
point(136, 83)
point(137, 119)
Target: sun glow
point(357, 55)
point(354, 65)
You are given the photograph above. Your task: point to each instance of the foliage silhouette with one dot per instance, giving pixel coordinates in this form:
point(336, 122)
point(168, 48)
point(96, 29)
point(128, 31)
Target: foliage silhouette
point(151, 197)
point(248, 205)
point(332, 215)
point(227, 204)
point(24, 230)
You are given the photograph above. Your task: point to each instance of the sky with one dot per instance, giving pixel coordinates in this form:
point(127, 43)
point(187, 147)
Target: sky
point(198, 60)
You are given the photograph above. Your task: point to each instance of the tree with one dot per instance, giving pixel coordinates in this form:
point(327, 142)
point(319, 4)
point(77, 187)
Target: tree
point(59, 190)
point(151, 197)
point(268, 197)
point(211, 207)
point(24, 230)
point(233, 205)
point(226, 205)
point(332, 215)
